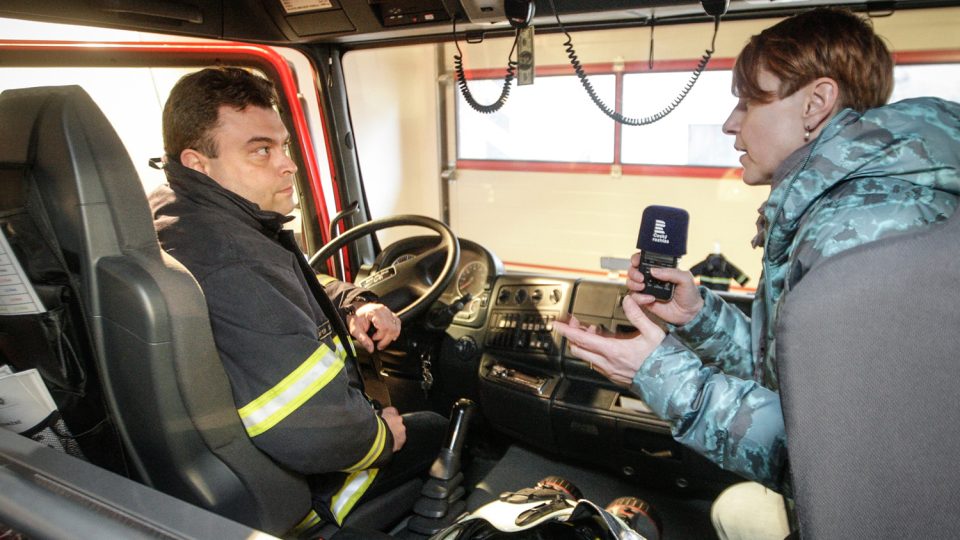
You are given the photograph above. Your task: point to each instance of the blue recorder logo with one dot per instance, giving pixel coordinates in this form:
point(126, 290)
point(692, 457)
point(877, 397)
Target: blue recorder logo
point(662, 241)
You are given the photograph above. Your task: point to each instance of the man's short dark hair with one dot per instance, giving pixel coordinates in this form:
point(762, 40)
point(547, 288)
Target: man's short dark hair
point(193, 108)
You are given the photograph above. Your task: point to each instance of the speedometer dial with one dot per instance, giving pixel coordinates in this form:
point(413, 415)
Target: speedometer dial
point(472, 278)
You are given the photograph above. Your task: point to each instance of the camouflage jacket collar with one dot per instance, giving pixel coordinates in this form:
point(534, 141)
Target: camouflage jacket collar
point(913, 139)
point(797, 184)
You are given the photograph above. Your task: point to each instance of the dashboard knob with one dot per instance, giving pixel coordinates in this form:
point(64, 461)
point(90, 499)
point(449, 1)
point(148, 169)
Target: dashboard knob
point(556, 295)
point(536, 296)
point(504, 296)
point(466, 348)
point(521, 296)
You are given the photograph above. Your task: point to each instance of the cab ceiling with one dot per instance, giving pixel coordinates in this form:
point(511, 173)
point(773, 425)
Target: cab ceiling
point(360, 22)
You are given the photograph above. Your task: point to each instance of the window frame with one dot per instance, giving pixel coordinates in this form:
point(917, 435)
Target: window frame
point(617, 167)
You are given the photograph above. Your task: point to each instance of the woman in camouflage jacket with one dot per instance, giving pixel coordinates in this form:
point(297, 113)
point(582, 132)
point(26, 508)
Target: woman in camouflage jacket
point(845, 170)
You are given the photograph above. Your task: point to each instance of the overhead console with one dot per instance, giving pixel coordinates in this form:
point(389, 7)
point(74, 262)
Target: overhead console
point(311, 20)
point(357, 21)
point(407, 12)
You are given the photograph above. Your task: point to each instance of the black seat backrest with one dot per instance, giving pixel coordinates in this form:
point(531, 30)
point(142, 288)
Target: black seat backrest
point(868, 349)
point(164, 385)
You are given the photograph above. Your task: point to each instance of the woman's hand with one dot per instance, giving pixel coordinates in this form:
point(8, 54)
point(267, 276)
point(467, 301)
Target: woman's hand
point(386, 323)
point(617, 357)
point(686, 301)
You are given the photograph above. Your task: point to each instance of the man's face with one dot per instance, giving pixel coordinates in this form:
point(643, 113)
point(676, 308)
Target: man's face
point(252, 160)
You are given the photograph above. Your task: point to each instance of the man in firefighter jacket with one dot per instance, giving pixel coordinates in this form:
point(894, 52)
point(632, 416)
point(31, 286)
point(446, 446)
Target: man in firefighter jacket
point(284, 339)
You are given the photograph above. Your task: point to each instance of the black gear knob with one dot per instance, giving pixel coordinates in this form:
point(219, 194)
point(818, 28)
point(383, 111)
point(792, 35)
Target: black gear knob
point(447, 464)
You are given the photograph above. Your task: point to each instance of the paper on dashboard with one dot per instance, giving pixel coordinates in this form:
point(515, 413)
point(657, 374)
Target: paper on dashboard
point(25, 401)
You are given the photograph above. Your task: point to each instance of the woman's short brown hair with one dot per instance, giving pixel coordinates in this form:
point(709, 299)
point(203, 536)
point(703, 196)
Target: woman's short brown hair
point(824, 42)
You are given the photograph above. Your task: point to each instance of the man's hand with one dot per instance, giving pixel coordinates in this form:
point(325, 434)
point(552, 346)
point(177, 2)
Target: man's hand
point(686, 301)
point(617, 357)
point(383, 320)
point(394, 421)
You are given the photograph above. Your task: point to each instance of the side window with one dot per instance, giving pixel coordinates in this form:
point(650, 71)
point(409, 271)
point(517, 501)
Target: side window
point(691, 135)
point(570, 184)
point(538, 124)
point(132, 98)
point(914, 80)
point(551, 123)
point(553, 120)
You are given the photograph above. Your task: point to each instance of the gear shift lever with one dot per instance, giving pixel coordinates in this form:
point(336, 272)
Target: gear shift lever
point(440, 499)
point(447, 464)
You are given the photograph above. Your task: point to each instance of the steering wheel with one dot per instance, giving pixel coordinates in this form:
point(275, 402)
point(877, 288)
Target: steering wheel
point(409, 278)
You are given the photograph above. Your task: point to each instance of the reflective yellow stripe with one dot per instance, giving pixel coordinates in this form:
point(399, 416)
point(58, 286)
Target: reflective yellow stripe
point(719, 280)
point(375, 449)
point(308, 521)
point(294, 390)
point(353, 488)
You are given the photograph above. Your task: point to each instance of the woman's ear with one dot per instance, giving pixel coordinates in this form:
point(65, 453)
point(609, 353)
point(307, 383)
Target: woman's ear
point(192, 159)
point(822, 103)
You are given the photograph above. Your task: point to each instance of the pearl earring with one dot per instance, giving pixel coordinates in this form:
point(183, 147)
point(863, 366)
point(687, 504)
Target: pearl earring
point(806, 134)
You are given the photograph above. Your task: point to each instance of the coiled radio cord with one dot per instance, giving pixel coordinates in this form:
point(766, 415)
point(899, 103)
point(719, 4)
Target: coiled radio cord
point(646, 120)
point(462, 77)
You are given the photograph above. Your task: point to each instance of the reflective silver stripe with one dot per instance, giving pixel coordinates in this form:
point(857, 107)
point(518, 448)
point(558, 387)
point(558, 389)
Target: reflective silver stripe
point(294, 390)
point(353, 488)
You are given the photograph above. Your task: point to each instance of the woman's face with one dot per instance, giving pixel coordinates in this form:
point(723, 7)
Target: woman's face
point(766, 133)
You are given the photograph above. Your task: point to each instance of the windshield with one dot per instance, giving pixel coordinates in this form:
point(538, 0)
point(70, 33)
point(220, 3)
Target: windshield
point(549, 182)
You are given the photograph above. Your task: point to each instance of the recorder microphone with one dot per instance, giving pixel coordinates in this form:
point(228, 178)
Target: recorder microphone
point(662, 240)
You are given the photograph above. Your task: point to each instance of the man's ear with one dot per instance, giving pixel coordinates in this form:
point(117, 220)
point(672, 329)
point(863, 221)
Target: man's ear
point(192, 159)
point(822, 101)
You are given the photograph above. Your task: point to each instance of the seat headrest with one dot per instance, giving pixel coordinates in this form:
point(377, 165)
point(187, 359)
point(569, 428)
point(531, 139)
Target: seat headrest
point(20, 110)
point(76, 157)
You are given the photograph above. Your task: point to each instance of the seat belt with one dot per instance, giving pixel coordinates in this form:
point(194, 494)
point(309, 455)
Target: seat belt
point(288, 241)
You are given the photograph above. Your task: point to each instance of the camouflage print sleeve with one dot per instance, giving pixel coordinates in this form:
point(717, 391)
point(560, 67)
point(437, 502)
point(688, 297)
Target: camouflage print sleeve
point(720, 334)
point(735, 423)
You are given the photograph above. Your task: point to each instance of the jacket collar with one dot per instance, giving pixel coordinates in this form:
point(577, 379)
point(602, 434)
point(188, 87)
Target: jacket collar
point(205, 191)
point(907, 140)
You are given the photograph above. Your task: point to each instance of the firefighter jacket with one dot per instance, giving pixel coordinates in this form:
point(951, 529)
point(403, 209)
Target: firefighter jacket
point(867, 176)
point(716, 272)
point(283, 343)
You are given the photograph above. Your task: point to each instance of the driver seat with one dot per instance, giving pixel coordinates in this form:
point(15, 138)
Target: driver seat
point(163, 383)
